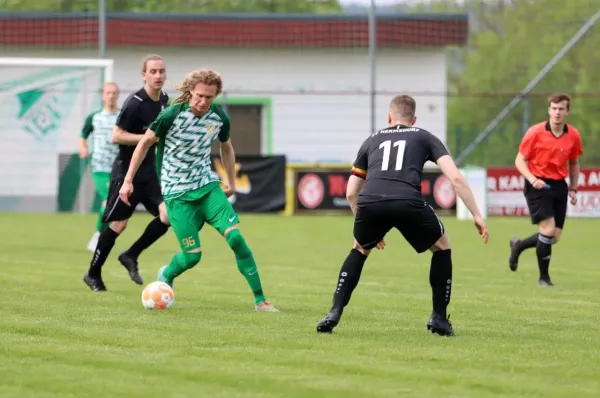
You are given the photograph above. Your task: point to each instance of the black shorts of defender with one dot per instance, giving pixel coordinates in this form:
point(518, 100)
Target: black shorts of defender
point(415, 220)
point(147, 192)
point(548, 203)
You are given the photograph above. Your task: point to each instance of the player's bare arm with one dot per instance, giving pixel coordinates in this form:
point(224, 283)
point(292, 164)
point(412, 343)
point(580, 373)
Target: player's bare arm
point(83, 148)
point(355, 185)
point(523, 167)
point(462, 189)
point(88, 128)
point(122, 137)
point(573, 179)
point(228, 160)
point(141, 150)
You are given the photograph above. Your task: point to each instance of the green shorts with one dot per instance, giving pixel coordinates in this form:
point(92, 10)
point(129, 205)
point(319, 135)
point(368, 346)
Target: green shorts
point(102, 182)
point(188, 213)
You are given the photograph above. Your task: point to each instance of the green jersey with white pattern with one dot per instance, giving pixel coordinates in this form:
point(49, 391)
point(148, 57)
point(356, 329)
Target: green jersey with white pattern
point(103, 152)
point(184, 147)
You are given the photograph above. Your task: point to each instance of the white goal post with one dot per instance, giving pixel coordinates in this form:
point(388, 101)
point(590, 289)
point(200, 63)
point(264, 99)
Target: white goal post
point(45, 102)
point(477, 179)
point(106, 64)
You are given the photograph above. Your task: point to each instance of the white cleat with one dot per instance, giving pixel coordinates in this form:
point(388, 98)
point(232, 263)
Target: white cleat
point(265, 306)
point(91, 246)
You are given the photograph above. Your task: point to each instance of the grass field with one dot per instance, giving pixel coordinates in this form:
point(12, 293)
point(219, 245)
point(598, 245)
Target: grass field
point(514, 339)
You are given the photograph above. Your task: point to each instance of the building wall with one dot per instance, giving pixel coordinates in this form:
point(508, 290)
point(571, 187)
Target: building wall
point(325, 126)
point(315, 111)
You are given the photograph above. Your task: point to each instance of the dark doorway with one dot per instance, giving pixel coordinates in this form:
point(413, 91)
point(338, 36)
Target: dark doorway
point(246, 127)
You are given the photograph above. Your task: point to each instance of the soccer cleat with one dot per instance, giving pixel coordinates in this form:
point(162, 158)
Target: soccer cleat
point(96, 284)
point(160, 277)
point(513, 261)
point(545, 282)
point(131, 265)
point(91, 246)
point(330, 321)
point(440, 325)
point(265, 306)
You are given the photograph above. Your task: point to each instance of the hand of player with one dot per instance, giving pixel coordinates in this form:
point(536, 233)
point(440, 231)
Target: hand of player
point(539, 184)
point(380, 245)
point(83, 152)
point(228, 190)
point(125, 192)
point(573, 196)
point(481, 228)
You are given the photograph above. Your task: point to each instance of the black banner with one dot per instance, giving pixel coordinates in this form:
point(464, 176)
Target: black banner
point(438, 192)
point(260, 182)
point(323, 189)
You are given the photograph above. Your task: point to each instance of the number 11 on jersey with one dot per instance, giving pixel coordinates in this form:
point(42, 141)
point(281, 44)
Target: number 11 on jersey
point(387, 149)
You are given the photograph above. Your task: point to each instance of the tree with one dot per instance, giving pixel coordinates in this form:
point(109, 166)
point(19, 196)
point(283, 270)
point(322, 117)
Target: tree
point(510, 42)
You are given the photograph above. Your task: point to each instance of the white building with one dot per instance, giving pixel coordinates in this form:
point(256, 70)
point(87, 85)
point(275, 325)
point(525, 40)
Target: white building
point(295, 85)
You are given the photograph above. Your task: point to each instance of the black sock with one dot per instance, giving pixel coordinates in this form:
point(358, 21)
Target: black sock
point(106, 241)
point(527, 243)
point(348, 278)
point(440, 279)
point(543, 249)
point(152, 233)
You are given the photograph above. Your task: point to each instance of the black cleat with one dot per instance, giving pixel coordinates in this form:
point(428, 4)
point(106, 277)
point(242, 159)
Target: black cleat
point(513, 261)
point(131, 265)
point(440, 325)
point(96, 284)
point(545, 282)
point(329, 322)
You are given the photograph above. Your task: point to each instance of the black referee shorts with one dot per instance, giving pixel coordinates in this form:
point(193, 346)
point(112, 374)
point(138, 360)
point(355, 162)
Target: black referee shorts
point(415, 220)
point(548, 203)
point(145, 191)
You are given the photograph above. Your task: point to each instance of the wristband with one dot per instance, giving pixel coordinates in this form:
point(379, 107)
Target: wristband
point(573, 189)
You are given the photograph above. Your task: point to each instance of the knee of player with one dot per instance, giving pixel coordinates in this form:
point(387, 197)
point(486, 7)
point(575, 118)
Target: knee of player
point(162, 214)
point(118, 226)
point(192, 258)
point(358, 247)
point(442, 243)
point(164, 219)
point(236, 241)
point(547, 227)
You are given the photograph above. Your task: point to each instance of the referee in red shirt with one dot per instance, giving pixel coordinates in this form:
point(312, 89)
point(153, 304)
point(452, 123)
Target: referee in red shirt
point(543, 155)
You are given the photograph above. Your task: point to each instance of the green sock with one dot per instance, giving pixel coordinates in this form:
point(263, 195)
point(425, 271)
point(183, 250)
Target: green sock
point(180, 263)
point(100, 226)
point(247, 267)
point(246, 264)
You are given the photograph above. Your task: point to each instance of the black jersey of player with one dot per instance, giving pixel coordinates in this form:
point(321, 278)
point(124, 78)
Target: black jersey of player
point(391, 160)
point(137, 113)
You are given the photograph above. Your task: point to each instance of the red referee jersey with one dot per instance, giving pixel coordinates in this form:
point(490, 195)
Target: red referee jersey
point(546, 154)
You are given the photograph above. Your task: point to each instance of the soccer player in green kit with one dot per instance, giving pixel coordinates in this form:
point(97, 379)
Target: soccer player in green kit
point(99, 126)
point(191, 191)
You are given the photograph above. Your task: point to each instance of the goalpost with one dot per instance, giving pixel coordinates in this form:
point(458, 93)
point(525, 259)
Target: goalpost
point(44, 105)
point(477, 178)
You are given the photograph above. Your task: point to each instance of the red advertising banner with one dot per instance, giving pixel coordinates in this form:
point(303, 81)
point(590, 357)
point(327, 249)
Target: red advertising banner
point(505, 193)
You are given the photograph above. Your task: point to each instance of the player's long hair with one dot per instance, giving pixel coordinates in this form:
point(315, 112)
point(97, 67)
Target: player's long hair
point(204, 76)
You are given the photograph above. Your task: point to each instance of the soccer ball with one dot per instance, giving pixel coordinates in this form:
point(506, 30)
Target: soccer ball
point(158, 296)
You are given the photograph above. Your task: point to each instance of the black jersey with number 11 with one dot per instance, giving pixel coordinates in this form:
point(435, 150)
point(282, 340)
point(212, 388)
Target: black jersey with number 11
point(391, 160)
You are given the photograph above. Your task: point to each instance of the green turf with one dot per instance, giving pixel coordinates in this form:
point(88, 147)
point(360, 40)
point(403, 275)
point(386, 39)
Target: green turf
point(514, 339)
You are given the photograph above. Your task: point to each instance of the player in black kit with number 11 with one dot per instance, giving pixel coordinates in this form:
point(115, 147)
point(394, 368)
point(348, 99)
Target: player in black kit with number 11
point(384, 192)
point(139, 110)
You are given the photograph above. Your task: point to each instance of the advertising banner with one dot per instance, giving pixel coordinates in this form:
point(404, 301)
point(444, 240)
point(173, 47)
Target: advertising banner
point(324, 189)
point(260, 183)
point(505, 193)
